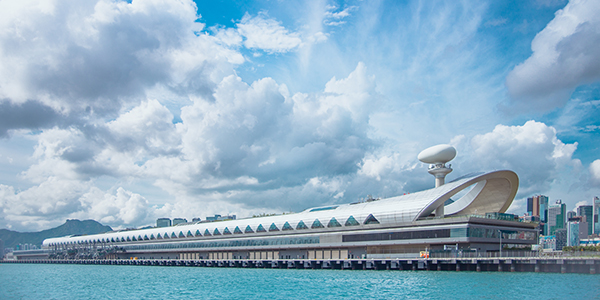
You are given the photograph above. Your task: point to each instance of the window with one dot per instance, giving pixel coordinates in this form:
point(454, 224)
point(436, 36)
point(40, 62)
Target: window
point(351, 221)
point(133, 238)
point(152, 236)
point(301, 225)
point(173, 236)
point(226, 231)
point(249, 229)
point(128, 239)
point(323, 208)
point(334, 223)
point(189, 234)
point(166, 235)
point(237, 230)
point(273, 227)
point(260, 228)
point(158, 236)
point(216, 232)
point(370, 220)
point(317, 224)
point(287, 226)
point(122, 239)
point(206, 232)
point(181, 235)
point(198, 233)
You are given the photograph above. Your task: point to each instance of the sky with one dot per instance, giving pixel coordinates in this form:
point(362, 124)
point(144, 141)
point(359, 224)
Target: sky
point(124, 112)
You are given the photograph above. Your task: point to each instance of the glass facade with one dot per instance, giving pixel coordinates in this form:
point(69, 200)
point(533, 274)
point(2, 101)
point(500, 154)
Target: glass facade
point(227, 244)
point(248, 229)
point(317, 224)
point(334, 223)
point(371, 220)
point(287, 226)
point(351, 222)
point(301, 225)
point(475, 232)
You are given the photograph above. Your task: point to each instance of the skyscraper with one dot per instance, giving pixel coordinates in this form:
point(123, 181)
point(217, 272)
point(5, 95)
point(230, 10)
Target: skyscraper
point(539, 208)
point(557, 214)
point(587, 212)
point(543, 208)
point(530, 206)
point(596, 215)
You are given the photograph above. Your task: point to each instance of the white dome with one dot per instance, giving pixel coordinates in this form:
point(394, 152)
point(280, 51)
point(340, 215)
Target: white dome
point(438, 154)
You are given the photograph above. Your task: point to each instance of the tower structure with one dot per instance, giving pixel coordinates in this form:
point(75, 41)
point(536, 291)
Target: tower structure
point(437, 157)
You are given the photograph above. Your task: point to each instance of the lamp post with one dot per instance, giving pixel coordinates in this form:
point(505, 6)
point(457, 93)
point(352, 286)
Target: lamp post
point(500, 235)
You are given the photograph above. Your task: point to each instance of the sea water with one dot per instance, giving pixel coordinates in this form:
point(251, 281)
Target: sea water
point(49, 281)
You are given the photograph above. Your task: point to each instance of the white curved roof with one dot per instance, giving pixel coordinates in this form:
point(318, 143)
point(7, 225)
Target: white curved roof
point(489, 192)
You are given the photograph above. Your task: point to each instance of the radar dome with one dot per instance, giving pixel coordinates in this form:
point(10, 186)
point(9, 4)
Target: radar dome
point(438, 154)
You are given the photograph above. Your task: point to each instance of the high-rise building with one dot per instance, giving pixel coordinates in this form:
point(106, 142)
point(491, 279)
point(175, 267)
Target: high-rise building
point(179, 221)
point(539, 208)
point(163, 222)
point(530, 206)
point(587, 212)
point(561, 238)
point(570, 215)
point(557, 214)
point(573, 233)
point(543, 208)
point(596, 215)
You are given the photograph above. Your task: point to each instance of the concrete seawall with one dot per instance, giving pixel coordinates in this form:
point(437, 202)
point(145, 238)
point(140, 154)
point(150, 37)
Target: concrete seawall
point(545, 265)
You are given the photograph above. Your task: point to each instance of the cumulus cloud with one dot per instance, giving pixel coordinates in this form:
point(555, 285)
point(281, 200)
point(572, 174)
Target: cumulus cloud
point(595, 171)
point(532, 150)
point(266, 34)
point(91, 58)
point(55, 200)
point(246, 148)
point(565, 56)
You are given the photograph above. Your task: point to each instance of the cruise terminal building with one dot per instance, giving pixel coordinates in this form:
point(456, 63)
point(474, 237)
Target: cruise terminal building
point(398, 227)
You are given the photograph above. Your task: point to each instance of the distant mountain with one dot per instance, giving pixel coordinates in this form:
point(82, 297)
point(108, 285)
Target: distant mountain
point(71, 227)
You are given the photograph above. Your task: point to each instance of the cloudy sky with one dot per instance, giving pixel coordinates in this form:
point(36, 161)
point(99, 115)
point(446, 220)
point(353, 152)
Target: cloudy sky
point(126, 112)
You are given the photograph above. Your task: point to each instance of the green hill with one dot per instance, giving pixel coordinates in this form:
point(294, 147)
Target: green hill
point(71, 227)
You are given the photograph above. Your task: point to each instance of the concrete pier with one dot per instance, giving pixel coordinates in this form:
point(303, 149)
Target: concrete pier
point(545, 265)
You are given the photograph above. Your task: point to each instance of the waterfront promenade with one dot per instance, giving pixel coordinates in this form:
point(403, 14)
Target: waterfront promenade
point(585, 265)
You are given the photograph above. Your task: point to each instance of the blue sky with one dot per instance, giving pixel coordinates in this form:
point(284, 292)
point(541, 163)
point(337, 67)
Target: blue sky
point(124, 112)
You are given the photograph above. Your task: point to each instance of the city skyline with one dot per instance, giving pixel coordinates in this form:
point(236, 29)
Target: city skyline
point(125, 112)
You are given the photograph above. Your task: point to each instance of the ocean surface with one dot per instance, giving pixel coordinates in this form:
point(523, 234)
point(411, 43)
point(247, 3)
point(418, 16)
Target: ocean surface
point(42, 281)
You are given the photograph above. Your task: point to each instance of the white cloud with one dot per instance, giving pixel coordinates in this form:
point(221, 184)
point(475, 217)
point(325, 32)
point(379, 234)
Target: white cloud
point(533, 151)
point(595, 171)
point(88, 59)
point(267, 34)
point(565, 56)
point(335, 18)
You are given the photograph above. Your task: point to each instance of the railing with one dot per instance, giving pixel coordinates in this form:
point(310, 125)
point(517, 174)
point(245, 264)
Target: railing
point(470, 254)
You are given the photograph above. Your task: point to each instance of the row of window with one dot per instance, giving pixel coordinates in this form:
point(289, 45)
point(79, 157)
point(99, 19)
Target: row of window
point(442, 233)
point(224, 244)
point(316, 224)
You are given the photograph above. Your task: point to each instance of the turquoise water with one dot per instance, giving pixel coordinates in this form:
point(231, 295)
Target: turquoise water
point(33, 281)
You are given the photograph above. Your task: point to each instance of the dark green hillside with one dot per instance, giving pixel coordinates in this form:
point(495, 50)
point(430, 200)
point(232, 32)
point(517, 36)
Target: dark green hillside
point(71, 227)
